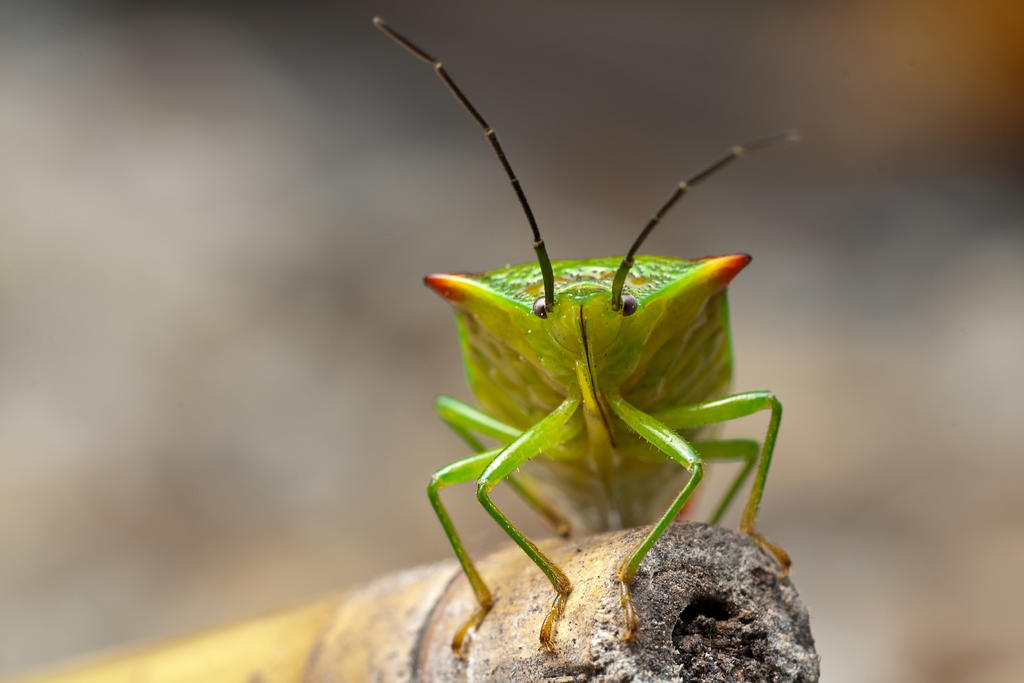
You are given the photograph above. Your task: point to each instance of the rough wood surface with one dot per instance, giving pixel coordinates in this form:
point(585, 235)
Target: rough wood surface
point(711, 605)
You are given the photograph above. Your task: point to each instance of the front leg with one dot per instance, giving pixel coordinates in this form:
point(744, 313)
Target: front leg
point(666, 440)
point(464, 420)
point(545, 434)
point(730, 408)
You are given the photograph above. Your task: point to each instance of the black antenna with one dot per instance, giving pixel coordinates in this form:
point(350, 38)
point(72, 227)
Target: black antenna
point(538, 243)
point(738, 151)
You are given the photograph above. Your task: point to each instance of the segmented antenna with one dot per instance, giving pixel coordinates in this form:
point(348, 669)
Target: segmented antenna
point(789, 137)
point(538, 243)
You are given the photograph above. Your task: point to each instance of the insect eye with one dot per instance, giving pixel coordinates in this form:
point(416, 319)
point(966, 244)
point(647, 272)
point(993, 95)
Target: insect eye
point(539, 309)
point(629, 304)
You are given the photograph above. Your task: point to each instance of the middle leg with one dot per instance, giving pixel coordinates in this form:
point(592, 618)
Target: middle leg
point(729, 449)
point(459, 472)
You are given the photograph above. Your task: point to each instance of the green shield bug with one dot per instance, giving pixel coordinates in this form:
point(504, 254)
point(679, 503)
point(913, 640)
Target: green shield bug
point(599, 379)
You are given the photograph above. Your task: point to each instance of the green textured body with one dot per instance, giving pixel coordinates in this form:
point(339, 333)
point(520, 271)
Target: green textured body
point(674, 351)
point(598, 410)
point(597, 380)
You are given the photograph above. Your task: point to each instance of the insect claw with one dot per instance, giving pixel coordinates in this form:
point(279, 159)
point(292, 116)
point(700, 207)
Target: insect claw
point(626, 600)
point(780, 555)
point(459, 641)
point(547, 629)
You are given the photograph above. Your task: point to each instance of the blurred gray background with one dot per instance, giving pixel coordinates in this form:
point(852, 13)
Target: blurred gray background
point(217, 359)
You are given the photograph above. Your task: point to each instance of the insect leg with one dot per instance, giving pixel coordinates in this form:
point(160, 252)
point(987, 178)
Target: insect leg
point(674, 446)
point(546, 433)
point(459, 472)
point(730, 408)
point(464, 419)
point(732, 449)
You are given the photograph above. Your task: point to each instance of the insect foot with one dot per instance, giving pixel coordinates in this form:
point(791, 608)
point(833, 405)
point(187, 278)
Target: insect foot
point(626, 601)
point(780, 555)
point(547, 629)
point(459, 641)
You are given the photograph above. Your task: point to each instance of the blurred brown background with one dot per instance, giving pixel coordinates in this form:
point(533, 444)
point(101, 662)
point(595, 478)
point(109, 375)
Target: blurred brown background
point(217, 359)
